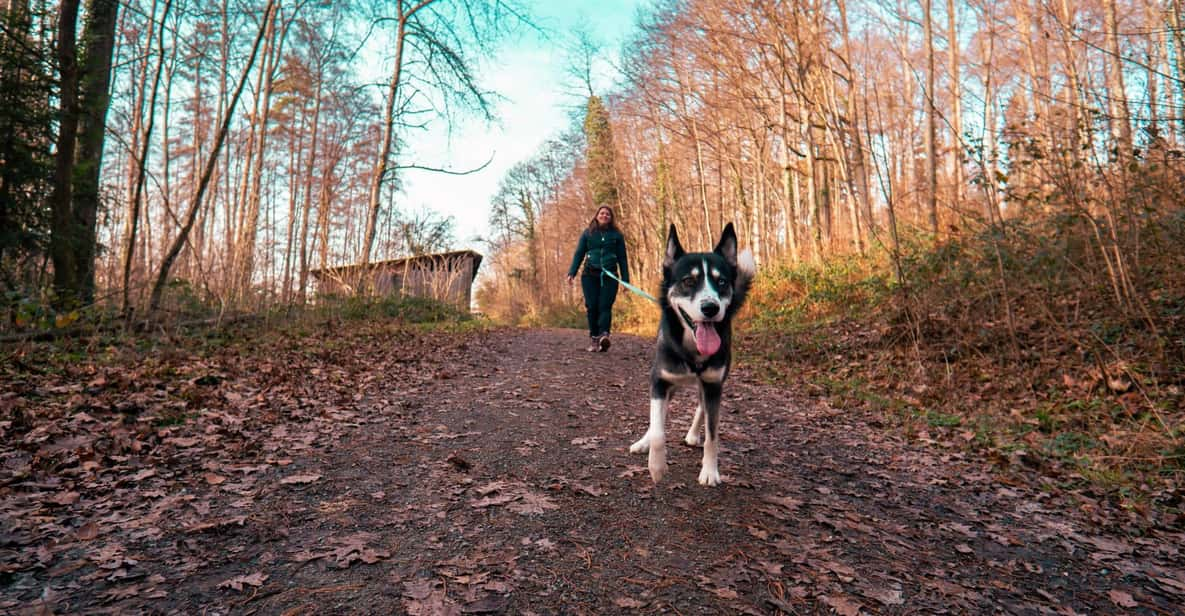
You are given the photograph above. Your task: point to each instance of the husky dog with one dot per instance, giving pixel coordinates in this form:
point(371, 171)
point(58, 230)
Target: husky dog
point(701, 291)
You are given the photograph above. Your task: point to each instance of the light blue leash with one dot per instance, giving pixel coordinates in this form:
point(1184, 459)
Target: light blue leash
point(630, 286)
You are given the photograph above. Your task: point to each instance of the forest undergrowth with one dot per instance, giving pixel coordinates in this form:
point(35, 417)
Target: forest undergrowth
point(1007, 343)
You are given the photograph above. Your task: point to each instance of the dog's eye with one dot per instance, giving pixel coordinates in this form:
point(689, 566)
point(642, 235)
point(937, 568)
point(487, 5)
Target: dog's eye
point(688, 282)
point(722, 284)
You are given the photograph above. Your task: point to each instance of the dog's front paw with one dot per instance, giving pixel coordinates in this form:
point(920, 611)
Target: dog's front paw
point(642, 445)
point(658, 464)
point(709, 476)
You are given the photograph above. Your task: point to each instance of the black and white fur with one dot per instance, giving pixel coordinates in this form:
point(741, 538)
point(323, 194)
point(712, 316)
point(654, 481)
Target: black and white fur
point(701, 289)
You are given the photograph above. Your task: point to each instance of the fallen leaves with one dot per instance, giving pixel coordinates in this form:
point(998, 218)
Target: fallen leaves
point(499, 498)
point(1122, 598)
point(588, 442)
point(299, 479)
point(348, 550)
point(87, 532)
point(842, 605)
point(217, 523)
point(518, 496)
point(237, 583)
point(64, 498)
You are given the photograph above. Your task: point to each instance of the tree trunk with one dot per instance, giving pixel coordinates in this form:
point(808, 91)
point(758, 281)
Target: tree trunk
point(701, 180)
point(138, 75)
point(931, 122)
point(293, 209)
point(379, 173)
point(94, 82)
point(1177, 21)
point(812, 195)
point(1170, 93)
point(956, 96)
point(1151, 78)
point(991, 165)
point(142, 166)
point(166, 157)
point(858, 156)
point(1117, 108)
point(1040, 98)
point(244, 262)
point(308, 190)
point(832, 136)
point(64, 229)
point(1080, 134)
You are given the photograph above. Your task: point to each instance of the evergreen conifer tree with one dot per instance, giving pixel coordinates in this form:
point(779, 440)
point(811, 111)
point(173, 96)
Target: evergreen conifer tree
point(598, 135)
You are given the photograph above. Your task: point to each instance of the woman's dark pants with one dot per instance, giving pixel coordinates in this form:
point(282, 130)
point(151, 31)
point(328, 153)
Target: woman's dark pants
point(599, 293)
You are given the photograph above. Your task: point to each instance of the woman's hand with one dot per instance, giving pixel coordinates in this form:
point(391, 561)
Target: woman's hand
point(571, 278)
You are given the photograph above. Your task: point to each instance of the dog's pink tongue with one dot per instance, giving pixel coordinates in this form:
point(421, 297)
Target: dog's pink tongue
point(707, 341)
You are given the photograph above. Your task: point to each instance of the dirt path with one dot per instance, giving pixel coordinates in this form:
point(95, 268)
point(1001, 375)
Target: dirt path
point(493, 477)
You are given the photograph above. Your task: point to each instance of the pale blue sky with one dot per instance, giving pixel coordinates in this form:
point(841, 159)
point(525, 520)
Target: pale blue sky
point(529, 73)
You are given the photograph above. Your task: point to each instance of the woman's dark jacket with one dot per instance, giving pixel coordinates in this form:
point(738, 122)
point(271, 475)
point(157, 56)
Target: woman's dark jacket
point(601, 250)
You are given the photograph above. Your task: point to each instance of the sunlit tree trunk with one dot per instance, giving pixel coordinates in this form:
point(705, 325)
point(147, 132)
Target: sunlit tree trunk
point(812, 194)
point(244, 267)
point(1151, 76)
point(1040, 99)
point(1117, 107)
point(1177, 21)
point(1081, 136)
point(1170, 92)
point(858, 155)
point(956, 96)
point(166, 158)
point(302, 287)
point(294, 196)
point(701, 179)
point(931, 121)
point(991, 149)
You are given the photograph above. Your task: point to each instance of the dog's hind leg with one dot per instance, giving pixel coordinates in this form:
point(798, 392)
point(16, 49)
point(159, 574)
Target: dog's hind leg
point(709, 474)
point(692, 437)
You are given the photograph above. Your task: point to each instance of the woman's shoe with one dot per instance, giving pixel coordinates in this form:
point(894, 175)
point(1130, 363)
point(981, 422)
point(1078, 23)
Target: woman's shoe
point(594, 345)
point(603, 343)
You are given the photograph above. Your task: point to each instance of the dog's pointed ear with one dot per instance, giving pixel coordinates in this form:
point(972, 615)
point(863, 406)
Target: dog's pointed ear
point(674, 250)
point(727, 246)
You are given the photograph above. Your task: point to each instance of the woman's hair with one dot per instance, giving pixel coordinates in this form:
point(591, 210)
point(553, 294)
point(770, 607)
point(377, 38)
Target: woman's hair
point(593, 225)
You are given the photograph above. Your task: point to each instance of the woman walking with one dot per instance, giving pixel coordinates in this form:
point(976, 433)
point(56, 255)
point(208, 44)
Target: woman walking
point(602, 249)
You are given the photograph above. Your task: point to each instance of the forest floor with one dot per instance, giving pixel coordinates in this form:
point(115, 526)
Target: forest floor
point(373, 467)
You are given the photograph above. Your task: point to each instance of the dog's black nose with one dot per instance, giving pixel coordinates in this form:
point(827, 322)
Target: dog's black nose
point(709, 309)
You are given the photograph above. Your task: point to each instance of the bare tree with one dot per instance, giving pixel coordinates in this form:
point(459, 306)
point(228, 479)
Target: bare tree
point(141, 165)
point(427, 28)
point(220, 137)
